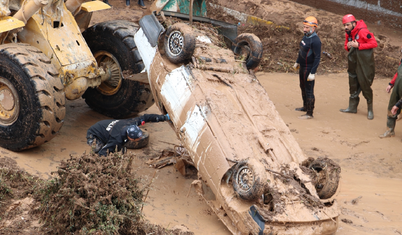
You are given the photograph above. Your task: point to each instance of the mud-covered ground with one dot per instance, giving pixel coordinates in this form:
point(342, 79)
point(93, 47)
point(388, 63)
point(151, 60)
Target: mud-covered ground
point(371, 182)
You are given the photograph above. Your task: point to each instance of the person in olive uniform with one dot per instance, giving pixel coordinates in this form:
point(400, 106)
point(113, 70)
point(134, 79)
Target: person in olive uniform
point(110, 135)
point(395, 102)
point(307, 62)
point(359, 42)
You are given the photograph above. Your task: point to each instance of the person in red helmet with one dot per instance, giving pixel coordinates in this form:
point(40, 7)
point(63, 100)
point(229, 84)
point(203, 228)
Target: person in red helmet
point(359, 42)
point(307, 62)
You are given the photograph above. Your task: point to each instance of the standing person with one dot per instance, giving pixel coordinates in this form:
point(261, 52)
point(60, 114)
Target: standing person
point(113, 134)
point(359, 42)
point(307, 62)
point(395, 102)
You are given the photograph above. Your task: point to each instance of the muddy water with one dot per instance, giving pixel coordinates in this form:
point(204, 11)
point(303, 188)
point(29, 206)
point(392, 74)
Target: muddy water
point(371, 182)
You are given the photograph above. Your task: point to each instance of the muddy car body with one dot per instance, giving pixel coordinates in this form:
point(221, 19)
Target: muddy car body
point(253, 174)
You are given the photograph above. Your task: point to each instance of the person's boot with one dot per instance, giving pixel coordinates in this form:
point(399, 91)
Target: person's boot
point(127, 3)
point(309, 109)
point(353, 103)
point(141, 3)
point(306, 116)
point(107, 2)
point(370, 114)
point(390, 132)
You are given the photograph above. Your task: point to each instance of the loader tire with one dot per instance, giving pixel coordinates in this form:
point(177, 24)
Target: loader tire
point(327, 177)
point(248, 180)
point(179, 43)
point(32, 101)
point(113, 41)
point(250, 46)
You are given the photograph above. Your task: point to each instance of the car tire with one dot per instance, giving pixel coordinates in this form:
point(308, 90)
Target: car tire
point(32, 103)
point(248, 179)
point(250, 46)
point(328, 175)
point(179, 43)
point(113, 42)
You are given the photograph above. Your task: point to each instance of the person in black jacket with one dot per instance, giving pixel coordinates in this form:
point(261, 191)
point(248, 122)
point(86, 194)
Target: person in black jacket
point(307, 62)
point(110, 135)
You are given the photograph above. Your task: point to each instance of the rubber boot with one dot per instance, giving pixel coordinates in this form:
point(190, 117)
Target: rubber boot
point(142, 5)
point(370, 114)
point(353, 102)
point(309, 109)
point(390, 132)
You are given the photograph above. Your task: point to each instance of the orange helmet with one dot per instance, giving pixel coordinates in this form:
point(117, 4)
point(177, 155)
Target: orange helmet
point(348, 18)
point(311, 21)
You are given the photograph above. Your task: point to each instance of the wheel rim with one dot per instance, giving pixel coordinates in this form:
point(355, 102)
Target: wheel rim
point(175, 42)
point(112, 67)
point(245, 178)
point(9, 103)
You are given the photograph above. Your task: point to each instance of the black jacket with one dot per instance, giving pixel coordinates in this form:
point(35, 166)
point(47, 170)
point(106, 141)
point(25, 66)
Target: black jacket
point(112, 133)
point(310, 52)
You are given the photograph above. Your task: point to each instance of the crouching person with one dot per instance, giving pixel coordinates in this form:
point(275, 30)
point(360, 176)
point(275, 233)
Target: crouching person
point(110, 135)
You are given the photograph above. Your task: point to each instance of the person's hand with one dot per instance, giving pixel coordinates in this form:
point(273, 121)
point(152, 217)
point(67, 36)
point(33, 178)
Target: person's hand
point(296, 66)
point(349, 45)
point(311, 77)
point(394, 110)
point(354, 44)
point(389, 88)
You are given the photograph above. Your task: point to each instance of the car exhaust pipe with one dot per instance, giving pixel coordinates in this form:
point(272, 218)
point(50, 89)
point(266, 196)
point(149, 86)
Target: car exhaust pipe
point(29, 9)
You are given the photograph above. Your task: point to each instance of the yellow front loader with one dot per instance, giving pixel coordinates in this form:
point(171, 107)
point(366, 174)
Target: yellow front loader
point(48, 54)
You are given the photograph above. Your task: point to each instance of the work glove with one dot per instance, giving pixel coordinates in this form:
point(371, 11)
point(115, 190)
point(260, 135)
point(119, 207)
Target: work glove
point(296, 66)
point(167, 118)
point(311, 77)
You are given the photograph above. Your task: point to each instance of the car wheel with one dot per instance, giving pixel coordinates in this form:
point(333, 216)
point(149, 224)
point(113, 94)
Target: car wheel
point(179, 43)
point(248, 180)
point(250, 47)
point(328, 175)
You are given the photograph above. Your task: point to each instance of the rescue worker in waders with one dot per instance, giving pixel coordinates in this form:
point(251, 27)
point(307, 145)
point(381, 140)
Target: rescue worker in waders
point(395, 102)
point(307, 62)
point(109, 135)
point(359, 42)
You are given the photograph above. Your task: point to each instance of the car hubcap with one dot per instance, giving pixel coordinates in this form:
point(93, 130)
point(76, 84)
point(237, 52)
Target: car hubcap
point(175, 42)
point(245, 178)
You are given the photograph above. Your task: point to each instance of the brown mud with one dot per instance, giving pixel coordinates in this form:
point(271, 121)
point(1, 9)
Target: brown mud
point(371, 182)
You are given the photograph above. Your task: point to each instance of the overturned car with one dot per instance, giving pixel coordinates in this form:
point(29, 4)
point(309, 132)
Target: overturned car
point(254, 175)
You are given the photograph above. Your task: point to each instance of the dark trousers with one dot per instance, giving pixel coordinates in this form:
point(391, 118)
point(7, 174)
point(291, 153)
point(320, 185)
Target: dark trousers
point(307, 90)
point(361, 72)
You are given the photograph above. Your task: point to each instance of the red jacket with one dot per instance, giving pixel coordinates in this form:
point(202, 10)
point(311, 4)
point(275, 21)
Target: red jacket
point(362, 35)
point(392, 82)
